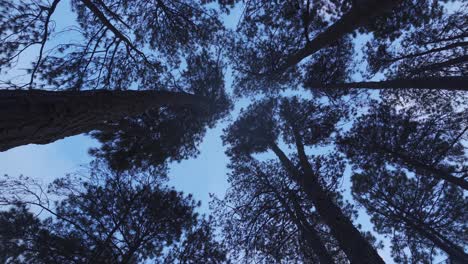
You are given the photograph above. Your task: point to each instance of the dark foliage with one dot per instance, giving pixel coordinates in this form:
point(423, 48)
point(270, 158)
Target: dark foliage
point(420, 215)
point(159, 46)
point(436, 48)
point(143, 41)
point(275, 39)
point(288, 155)
point(168, 133)
point(106, 217)
point(265, 217)
point(430, 145)
point(300, 124)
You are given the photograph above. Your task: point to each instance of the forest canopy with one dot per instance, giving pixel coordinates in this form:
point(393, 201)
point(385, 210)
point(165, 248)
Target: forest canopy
point(343, 125)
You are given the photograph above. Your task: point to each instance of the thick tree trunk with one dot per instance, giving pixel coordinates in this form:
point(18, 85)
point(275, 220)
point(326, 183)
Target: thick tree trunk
point(359, 15)
point(42, 117)
point(442, 83)
point(356, 247)
point(351, 241)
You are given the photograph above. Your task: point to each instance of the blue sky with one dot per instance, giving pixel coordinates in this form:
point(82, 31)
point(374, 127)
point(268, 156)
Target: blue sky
point(204, 175)
point(200, 176)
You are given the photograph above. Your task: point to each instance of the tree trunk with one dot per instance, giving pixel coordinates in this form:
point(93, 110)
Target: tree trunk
point(440, 65)
point(434, 171)
point(41, 117)
point(442, 83)
point(356, 247)
point(309, 234)
point(359, 15)
point(455, 252)
point(315, 243)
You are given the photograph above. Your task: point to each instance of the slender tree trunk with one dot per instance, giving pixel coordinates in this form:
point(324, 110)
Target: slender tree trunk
point(440, 65)
point(442, 83)
point(315, 243)
point(455, 252)
point(356, 247)
point(359, 15)
point(310, 235)
point(418, 54)
point(42, 117)
point(435, 172)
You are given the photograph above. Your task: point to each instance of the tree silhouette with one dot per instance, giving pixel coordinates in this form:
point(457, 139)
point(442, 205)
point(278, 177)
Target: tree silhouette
point(199, 246)
point(429, 145)
point(107, 217)
point(146, 79)
point(436, 49)
point(300, 123)
point(417, 212)
point(267, 218)
point(123, 47)
point(167, 133)
point(276, 41)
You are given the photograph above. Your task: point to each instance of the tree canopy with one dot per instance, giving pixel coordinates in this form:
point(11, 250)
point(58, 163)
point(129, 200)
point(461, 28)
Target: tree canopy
point(351, 145)
point(104, 217)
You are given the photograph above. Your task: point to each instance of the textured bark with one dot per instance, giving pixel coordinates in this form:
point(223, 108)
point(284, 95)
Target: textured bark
point(350, 240)
point(442, 83)
point(359, 15)
point(42, 117)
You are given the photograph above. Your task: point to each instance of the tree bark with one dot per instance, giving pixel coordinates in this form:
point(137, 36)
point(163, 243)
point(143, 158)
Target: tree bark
point(359, 15)
point(351, 241)
point(42, 117)
point(442, 83)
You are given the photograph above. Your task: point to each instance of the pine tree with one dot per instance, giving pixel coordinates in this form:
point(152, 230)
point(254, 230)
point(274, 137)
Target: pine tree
point(299, 123)
point(104, 217)
point(416, 212)
point(122, 47)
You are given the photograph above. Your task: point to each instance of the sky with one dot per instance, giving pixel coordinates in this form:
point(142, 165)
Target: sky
point(205, 174)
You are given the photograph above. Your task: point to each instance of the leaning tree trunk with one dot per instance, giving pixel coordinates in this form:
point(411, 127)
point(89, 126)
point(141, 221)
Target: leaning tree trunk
point(311, 235)
point(308, 232)
point(440, 83)
point(356, 247)
point(360, 14)
point(433, 171)
point(453, 251)
point(315, 243)
point(41, 117)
